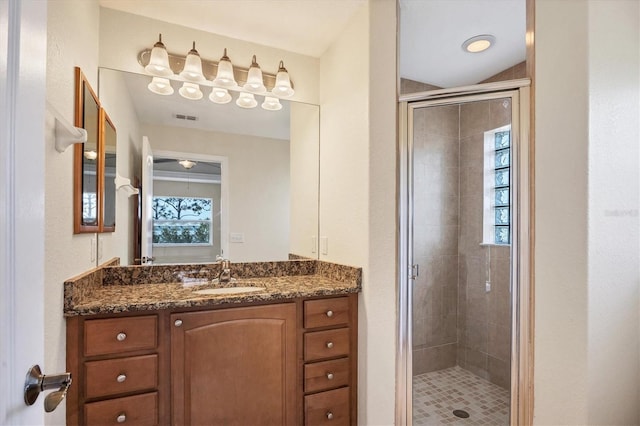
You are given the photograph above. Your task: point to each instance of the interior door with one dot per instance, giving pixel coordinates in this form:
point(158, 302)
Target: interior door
point(23, 28)
point(147, 203)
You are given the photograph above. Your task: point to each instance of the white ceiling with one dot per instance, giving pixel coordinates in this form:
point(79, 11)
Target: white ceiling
point(307, 27)
point(432, 33)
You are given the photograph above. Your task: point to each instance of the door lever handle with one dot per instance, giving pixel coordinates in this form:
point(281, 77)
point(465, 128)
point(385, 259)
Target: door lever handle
point(36, 382)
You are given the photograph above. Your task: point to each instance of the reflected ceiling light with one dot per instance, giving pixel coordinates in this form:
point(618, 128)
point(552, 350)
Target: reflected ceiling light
point(283, 83)
point(161, 86)
point(190, 91)
point(187, 164)
point(271, 104)
point(254, 82)
point(192, 70)
point(224, 76)
point(159, 62)
point(220, 96)
point(90, 155)
point(478, 43)
point(246, 100)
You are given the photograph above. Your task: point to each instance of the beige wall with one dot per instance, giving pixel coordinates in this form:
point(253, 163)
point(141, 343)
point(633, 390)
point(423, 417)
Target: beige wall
point(258, 185)
point(66, 254)
point(586, 271)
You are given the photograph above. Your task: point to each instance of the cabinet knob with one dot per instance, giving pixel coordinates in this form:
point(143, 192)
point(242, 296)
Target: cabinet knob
point(121, 418)
point(329, 415)
point(329, 313)
point(121, 336)
point(121, 378)
point(329, 376)
point(329, 345)
point(177, 323)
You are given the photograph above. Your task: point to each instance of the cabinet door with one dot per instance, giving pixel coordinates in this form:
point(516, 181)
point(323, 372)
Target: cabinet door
point(234, 366)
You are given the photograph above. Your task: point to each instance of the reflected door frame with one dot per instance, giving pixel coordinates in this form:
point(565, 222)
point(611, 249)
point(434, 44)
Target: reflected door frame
point(521, 250)
point(224, 188)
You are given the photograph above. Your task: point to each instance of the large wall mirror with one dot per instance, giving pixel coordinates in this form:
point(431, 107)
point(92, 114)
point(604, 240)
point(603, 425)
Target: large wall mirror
point(217, 179)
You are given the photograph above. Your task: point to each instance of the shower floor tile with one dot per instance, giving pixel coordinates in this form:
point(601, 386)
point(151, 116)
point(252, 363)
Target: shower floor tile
point(437, 394)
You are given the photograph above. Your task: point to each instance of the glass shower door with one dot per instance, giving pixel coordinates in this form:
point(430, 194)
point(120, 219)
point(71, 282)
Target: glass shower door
point(461, 243)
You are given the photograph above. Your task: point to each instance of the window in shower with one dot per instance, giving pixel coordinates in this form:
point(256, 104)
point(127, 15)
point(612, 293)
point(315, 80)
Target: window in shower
point(497, 193)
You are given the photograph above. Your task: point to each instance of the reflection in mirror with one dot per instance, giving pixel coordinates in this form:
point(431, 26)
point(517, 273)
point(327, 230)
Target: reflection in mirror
point(86, 195)
point(109, 202)
point(265, 210)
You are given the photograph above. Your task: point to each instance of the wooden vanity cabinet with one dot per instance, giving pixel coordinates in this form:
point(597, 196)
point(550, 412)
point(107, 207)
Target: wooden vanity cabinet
point(287, 363)
point(234, 366)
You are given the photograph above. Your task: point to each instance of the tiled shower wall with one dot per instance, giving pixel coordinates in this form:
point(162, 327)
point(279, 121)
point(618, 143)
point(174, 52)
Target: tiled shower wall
point(455, 320)
point(436, 205)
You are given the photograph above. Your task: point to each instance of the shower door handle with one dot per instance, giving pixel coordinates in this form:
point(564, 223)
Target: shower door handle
point(414, 271)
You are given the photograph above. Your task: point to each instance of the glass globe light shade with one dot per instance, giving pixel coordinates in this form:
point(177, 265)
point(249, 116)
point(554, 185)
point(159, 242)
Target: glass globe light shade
point(254, 82)
point(224, 76)
point(159, 61)
point(160, 86)
point(192, 70)
point(220, 96)
point(246, 100)
point(283, 87)
point(271, 104)
point(190, 91)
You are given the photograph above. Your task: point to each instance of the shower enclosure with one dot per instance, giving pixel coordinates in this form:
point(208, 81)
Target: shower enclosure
point(461, 241)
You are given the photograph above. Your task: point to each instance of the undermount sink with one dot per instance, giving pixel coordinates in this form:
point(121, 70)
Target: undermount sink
point(228, 290)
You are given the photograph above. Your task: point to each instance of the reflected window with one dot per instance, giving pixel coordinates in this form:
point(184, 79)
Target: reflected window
point(89, 207)
point(497, 190)
point(182, 221)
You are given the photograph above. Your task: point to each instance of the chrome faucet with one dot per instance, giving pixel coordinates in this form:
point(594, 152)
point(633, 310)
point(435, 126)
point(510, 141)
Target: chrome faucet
point(225, 270)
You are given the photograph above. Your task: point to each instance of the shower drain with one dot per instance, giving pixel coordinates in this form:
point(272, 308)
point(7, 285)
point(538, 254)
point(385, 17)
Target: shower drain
point(461, 413)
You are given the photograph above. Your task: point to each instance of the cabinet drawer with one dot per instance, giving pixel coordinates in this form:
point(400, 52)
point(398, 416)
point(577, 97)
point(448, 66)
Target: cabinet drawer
point(326, 344)
point(326, 375)
point(326, 312)
point(116, 335)
point(139, 410)
point(327, 408)
point(114, 376)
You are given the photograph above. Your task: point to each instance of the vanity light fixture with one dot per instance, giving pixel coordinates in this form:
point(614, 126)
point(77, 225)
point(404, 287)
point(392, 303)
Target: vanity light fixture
point(190, 91)
point(187, 164)
point(271, 104)
point(220, 76)
point(220, 96)
point(192, 70)
point(479, 43)
point(224, 76)
point(161, 86)
point(255, 82)
point(159, 62)
point(283, 83)
point(246, 100)
point(90, 155)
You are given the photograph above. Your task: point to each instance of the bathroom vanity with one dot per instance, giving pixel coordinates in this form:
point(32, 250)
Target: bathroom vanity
point(145, 346)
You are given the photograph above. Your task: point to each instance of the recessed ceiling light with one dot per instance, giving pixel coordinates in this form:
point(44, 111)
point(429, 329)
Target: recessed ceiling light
point(478, 43)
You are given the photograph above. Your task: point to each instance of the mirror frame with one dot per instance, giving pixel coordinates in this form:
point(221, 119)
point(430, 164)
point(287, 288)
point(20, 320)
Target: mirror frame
point(102, 145)
point(81, 83)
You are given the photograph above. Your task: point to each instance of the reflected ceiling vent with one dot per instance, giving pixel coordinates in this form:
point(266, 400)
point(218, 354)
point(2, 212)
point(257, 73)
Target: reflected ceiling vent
point(186, 117)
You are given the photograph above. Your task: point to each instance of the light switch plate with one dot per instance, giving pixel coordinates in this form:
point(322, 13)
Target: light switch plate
point(236, 237)
point(93, 249)
point(314, 243)
point(324, 245)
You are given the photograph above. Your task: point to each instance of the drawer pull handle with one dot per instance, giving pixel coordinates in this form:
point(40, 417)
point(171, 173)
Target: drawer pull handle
point(121, 336)
point(329, 415)
point(329, 313)
point(177, 323)
point(329, 376)
point(121, 418)
point(121, 378)
point(329, 345)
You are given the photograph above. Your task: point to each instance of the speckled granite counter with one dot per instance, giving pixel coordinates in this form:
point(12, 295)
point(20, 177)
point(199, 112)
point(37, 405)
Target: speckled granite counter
point(115, 289)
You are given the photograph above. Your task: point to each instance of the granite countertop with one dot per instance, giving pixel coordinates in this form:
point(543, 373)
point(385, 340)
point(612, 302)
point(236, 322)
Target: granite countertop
point(89, 295)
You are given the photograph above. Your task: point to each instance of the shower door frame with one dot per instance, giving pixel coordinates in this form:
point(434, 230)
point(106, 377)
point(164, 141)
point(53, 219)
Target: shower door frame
point(521, 400)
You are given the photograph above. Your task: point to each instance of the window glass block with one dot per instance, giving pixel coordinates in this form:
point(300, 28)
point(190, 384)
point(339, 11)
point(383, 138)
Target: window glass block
point(502, 235)
point(502, 158)
point(502, 215)
point(503, 139)
point(502, 177)
point(502, 197)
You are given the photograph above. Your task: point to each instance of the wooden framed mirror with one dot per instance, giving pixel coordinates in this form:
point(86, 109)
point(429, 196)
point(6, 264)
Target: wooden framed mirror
point(108, 173)
point(86, 199)
point(94, 189)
